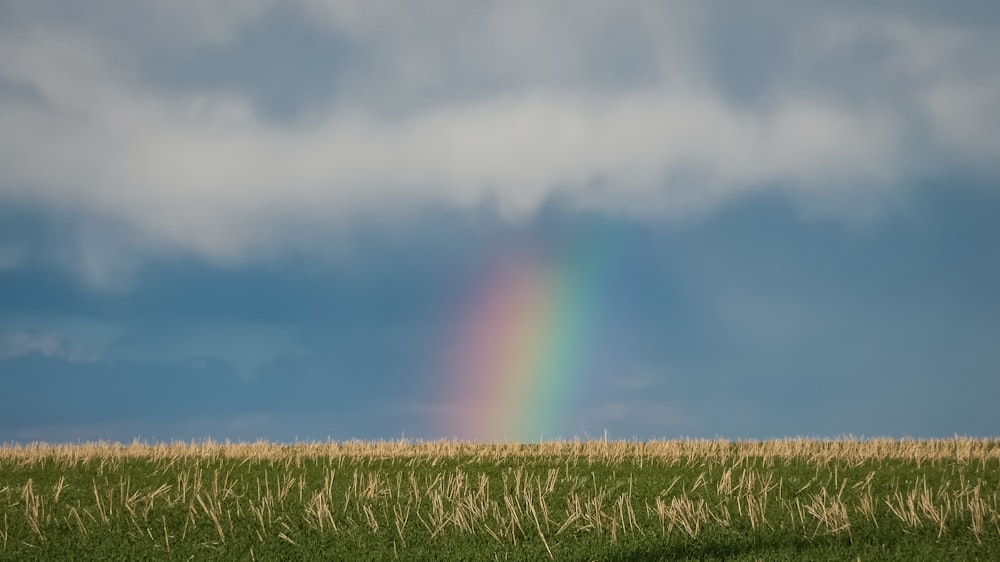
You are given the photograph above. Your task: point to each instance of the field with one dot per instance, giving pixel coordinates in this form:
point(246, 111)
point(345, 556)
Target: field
point(841, 499)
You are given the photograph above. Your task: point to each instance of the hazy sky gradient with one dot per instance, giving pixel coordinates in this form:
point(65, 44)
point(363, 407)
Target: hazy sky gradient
point(259, 219)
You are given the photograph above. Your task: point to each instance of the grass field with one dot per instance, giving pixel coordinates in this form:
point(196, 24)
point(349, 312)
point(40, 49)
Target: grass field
point(583, 500)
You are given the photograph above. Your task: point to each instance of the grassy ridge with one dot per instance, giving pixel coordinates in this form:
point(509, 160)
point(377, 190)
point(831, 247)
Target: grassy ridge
point(669, 500)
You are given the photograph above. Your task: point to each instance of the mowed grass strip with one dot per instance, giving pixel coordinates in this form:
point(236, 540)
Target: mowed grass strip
point(570, 500)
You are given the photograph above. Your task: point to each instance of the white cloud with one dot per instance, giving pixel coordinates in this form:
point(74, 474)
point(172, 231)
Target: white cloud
point(18, 343)
point(510, 103)
point(966, 117)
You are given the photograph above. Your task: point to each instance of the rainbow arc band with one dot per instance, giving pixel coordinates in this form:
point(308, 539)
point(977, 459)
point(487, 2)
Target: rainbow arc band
point(526, 340)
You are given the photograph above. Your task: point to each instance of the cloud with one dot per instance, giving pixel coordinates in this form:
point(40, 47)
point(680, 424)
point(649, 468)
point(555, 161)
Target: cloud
point(19, 343)
point(625, 108)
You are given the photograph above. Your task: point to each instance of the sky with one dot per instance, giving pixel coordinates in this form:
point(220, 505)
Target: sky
point(316, 219)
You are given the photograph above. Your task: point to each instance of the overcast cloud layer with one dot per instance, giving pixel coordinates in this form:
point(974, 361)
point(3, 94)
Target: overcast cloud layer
point(213, 127)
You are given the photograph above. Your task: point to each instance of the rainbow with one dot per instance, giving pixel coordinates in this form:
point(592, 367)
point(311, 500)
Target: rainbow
point(525, 338)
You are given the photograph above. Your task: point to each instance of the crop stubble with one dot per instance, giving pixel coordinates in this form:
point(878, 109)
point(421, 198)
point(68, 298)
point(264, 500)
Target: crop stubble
point(454, 500)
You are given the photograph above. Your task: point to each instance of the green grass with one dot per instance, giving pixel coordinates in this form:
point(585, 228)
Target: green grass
point(671, 500)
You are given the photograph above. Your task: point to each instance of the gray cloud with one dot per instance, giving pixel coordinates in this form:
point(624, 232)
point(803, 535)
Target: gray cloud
point(637, 108)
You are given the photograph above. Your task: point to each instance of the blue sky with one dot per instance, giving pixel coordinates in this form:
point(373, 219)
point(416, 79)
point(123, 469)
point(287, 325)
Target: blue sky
point(259, 219)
